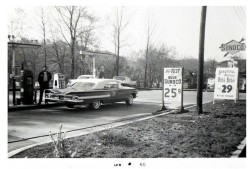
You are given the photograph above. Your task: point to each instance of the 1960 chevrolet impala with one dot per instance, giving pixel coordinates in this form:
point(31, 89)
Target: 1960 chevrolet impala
point(92, 92)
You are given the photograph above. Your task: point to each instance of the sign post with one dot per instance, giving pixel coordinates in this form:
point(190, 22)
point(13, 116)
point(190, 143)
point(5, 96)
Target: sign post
point(226, 83)
point(163, 80)
point(173, 87)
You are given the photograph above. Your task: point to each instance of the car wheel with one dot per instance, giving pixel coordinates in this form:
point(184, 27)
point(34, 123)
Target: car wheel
point(130, 100)
point(95, 105)
point(70, 105)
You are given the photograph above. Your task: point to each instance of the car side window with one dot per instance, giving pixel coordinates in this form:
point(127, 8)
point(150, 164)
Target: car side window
point(111, 85)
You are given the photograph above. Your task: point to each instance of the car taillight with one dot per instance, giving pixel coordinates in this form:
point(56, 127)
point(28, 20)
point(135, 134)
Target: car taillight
point(48, 95)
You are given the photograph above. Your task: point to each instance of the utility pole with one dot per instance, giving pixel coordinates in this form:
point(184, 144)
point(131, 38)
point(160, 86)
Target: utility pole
point(201, 60)
point(118, 54)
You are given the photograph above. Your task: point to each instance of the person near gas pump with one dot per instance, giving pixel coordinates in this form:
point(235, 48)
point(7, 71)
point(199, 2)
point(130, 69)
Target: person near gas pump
point(43, 79)
point(101, 74)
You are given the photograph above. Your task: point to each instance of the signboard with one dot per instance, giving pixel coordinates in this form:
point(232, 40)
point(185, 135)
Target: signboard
point(226, 83)
point(172, 92)
point(233, 47)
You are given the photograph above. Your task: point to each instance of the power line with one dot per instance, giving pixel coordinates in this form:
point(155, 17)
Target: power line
point(239, 16)
point(242, 12)
point(241, 20)
point(242, 15)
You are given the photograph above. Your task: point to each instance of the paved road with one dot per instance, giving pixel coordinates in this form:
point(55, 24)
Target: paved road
point(32, 123)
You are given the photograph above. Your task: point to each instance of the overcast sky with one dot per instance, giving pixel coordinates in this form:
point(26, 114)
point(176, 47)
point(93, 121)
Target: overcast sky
point(178, 27)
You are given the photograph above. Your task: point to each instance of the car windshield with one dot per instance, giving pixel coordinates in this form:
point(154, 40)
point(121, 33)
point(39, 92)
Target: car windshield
point(83, 85)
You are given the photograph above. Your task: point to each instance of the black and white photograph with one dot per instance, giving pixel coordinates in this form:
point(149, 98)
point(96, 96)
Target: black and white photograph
point(125, 85)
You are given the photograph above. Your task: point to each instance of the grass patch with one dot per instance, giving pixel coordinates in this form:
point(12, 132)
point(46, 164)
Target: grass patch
point(215, 133)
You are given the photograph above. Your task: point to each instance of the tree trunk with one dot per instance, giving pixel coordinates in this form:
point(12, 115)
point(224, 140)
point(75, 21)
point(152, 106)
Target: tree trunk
point(118, 53)
point(146, 67)
point(72, 62)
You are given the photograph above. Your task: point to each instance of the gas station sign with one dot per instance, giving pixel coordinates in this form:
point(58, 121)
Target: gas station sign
point(226, 81)
point(233, 47)
point(172, 92)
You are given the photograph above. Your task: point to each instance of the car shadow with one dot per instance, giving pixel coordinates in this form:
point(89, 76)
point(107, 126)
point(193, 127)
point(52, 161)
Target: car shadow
point(117, 107)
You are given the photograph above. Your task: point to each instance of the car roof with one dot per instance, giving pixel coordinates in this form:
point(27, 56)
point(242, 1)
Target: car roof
point(96, 80)
point(99, 83)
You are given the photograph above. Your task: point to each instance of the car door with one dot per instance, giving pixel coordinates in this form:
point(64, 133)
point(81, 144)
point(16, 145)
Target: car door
point(116, 97)
point(112, 90)
point(123, 92)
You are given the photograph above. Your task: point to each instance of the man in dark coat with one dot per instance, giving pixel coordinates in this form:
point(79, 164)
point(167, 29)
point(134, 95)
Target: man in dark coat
point(43, 79)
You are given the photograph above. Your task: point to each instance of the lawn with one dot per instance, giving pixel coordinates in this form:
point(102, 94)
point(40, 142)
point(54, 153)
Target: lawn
point(215, 133)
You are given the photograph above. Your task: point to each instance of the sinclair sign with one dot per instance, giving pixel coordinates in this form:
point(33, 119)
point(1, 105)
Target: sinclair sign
point(233, 47)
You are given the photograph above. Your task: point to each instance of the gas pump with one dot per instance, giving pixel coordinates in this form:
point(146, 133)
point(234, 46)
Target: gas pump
point(58, 81)
point(26, 86)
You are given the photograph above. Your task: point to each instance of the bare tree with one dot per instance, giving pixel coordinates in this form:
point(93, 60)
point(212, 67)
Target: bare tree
point(43, 20)
point(17, 24)
point(58, 51)
point(76, 21)
point(149, 33)
point(210, 66)
point(118, 27)
point(159, 58)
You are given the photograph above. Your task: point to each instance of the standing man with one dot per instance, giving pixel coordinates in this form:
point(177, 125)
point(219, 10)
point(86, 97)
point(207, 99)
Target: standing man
point(43, 79)
point(101, 73)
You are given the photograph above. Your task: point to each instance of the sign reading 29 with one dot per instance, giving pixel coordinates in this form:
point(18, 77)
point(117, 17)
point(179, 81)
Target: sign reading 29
point(227, 88)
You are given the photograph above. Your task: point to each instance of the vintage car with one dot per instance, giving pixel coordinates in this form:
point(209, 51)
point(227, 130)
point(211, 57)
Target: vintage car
point(126, 81)
point(92, 92)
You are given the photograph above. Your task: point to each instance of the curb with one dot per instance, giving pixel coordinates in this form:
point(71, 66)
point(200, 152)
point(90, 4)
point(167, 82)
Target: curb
point(143, 89)
point(30, 107)
point(240, 148)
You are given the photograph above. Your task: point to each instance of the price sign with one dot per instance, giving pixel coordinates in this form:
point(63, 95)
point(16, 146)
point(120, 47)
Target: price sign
point(172, 85)
point(226, 83)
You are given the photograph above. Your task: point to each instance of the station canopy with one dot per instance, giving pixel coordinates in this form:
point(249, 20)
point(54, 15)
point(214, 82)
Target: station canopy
point(23, 45)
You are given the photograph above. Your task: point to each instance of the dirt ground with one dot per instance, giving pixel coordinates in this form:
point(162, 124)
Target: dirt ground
point(215, 133)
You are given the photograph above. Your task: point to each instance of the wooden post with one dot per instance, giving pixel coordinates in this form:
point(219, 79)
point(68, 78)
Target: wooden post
point(201, 60)
point(182, 108)
point(163, 103)
point(14, 89)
